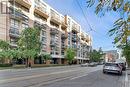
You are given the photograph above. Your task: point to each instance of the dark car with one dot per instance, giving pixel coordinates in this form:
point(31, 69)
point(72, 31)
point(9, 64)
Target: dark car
point(112, 68)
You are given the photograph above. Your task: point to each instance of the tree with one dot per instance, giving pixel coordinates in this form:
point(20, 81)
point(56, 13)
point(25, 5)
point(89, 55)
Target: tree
point(4, 45)
point(95, 56)
point(70, 54)
point(121, 27)
point(29, 43)
point(45, 57)
point(126, 52)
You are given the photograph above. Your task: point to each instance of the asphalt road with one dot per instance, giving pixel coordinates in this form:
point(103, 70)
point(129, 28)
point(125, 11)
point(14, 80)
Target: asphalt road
point(64, 76)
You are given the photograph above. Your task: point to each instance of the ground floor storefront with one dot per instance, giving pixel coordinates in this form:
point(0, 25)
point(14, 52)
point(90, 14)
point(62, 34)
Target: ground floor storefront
point(39, 60)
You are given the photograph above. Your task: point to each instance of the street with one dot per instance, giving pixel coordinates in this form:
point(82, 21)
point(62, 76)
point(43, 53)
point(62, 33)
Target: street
point(63, 76)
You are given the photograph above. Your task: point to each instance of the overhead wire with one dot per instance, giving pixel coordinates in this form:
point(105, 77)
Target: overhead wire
point(87, 21)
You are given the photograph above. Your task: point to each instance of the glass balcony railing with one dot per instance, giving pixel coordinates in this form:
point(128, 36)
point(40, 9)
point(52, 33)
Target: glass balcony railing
point(41, 10)
point(25, 3)
point(55, 17)
point(75, 28)
point(64, 36)
point(14, 32)
point(54, 31)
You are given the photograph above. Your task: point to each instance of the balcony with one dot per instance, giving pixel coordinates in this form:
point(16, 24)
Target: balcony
point(82, 36)
point(54, 43)
point(13, 44)
point(17, 14)
point(55, 18)
point(63, 46)
point(75, 28)
point(42, 11)
point(25, 3)
point(14, 32)
point(54, 31)
point(74, 39)
point(64, 36)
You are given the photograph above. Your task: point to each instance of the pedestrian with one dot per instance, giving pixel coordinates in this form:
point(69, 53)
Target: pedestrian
point(29, 65)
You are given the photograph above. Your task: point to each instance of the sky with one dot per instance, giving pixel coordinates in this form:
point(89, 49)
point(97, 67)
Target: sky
point(100, 25)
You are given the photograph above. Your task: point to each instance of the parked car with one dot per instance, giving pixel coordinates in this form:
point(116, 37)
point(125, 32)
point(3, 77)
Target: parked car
point(112, 68)
point(92, 64)
point(122, 63)
point(84, 65)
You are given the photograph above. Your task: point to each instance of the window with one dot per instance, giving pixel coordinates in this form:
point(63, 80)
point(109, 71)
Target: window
point(43, 39)
point(24, 26)
point(14, 23)
point(52, 52)
point(13, 41)
point(43, 46)
point(43, 33)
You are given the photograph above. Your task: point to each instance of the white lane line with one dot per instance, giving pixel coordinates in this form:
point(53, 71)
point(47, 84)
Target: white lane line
point(126, 80)
point(78, 77)
point(34, 76)
point(49, 82)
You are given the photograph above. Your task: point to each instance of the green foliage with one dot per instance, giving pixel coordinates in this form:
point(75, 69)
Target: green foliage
point(30, 39)
point(4, 45)
point(121, 27)
point(45, 56)
point(126, 51)
point(95, 55)
point(29, 42)
point(5, 65)
point(70, 54)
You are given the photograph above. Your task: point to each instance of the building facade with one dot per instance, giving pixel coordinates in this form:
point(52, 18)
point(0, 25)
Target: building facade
point(111, 55)
point(57, 31)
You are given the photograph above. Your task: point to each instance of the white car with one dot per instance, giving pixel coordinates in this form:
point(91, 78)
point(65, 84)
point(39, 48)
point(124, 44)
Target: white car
point(84, 65)
point(112, 68)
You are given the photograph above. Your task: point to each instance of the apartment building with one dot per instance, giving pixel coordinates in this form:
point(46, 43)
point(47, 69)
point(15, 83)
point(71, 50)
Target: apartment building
point(57, 31)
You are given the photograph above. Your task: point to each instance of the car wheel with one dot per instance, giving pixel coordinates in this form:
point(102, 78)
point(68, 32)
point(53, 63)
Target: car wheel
point(104, 72)
point(120, 73)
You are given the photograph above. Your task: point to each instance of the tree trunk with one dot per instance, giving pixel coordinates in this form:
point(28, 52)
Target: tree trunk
point(128, 62)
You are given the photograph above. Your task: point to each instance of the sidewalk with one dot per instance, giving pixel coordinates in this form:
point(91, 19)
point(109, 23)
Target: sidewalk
point(22, 69)
point(127, 78)
point(128, 72)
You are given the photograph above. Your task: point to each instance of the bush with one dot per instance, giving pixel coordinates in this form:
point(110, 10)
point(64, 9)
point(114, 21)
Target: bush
point(5, 65)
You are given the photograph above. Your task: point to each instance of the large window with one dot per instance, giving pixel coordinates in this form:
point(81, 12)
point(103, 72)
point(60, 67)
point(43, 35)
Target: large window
point(14, 23)
point(43, 33)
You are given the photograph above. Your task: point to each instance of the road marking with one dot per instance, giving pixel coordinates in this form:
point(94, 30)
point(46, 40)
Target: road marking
point(34, 76)
point(49, 82)
point(126, 82)
point(78, 77)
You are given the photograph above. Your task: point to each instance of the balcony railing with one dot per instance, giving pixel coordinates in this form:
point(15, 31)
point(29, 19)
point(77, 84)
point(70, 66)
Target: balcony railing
point(17, 13)
point(54, 43)
point(41, 10)
point(64, 36)
point(14, 32)
point(55, 18)
point(63, 46)
point(74, 39)
point(75, 28)
point(25, 3)
point(54, 31)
